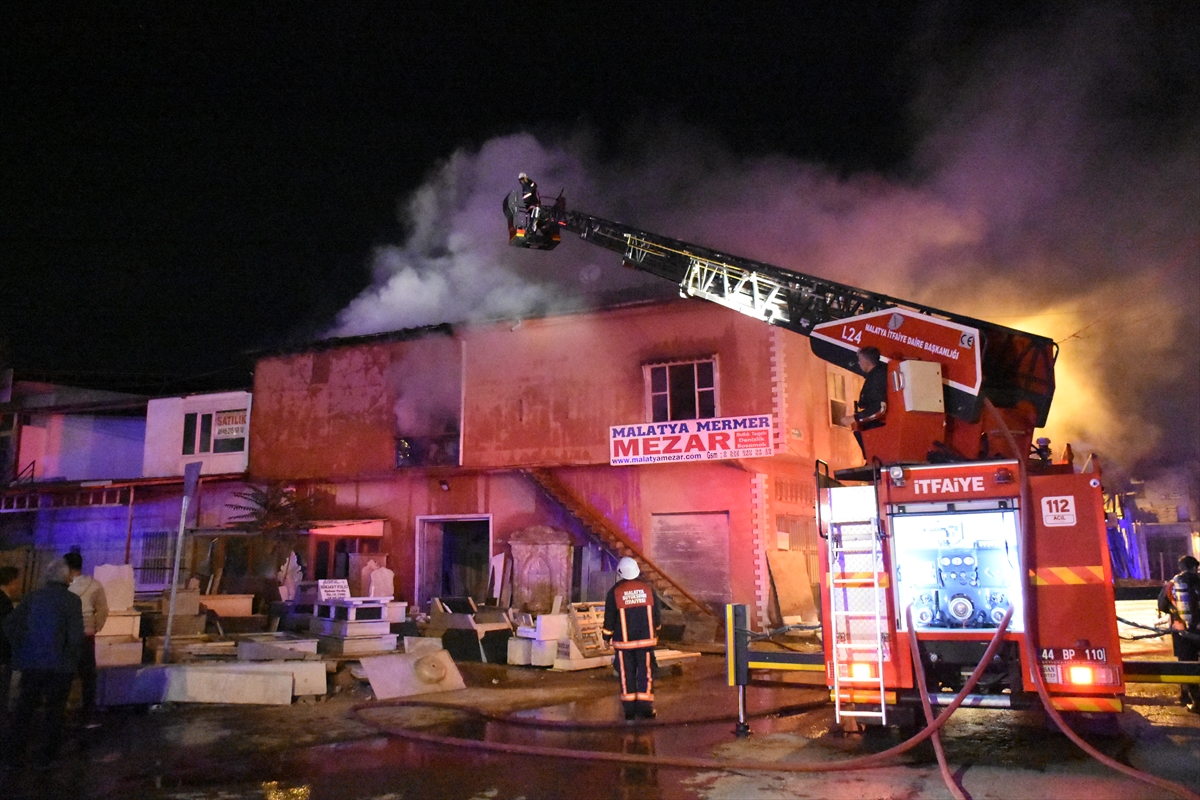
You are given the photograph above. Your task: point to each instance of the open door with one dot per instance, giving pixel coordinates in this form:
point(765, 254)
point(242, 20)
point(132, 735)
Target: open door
point(453, 558)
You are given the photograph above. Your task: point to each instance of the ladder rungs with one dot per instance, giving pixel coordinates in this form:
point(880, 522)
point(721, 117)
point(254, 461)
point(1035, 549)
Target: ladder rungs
point(846, 713)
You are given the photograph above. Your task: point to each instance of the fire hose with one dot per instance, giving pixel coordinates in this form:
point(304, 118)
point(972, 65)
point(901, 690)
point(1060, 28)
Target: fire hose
point(1039, 680)
point(931, 731)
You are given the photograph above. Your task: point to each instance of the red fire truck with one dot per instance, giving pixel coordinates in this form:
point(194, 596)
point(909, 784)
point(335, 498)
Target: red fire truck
point(958, 522)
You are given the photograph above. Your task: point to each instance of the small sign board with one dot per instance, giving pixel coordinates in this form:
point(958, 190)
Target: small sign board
point(1058, 511)
point(338, 589)
point(904, 334)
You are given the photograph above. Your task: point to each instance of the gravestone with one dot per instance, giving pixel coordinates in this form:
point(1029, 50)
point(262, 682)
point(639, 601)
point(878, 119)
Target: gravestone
point(117, 580)
point(542, 562)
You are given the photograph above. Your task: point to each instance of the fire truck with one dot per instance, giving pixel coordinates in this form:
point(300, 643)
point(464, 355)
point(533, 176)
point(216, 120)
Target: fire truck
point(960, 531)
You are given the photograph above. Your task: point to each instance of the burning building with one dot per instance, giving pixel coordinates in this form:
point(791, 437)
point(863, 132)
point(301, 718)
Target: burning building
point(679, 431)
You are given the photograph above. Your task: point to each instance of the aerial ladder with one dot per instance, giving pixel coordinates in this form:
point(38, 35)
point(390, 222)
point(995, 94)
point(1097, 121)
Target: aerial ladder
point(957, 521)
point(980, 361)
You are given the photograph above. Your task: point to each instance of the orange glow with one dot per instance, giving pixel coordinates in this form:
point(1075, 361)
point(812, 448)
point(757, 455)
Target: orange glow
point(1081, 675)
point(861, 672)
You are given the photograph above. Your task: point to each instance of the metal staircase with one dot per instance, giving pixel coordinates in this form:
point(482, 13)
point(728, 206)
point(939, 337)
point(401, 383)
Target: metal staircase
point(858, 605)
point(617, 542)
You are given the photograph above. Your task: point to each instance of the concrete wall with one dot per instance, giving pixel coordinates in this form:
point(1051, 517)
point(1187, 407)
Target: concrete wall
point(163, 454)
point(80, 447)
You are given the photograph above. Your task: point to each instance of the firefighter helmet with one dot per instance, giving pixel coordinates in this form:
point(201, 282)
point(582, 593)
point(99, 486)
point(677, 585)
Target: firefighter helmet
point(628, 569)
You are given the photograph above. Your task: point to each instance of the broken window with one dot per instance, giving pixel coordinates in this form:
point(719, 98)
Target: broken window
point(838, 407)
point(682, 390)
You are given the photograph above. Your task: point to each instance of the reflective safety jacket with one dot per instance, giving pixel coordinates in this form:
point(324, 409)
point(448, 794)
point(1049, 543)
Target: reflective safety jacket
point(631, 615)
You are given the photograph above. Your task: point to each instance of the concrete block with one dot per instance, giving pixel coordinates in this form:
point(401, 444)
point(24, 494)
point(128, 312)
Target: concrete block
point(263, 651)
point(422, 644)
point(542, 653)
point(187, 602)
point(118, 651)
point(187, 683)
point(118, 583)
point(122, 623)
point(122, 686)
point(407, 674)
point(336, 646)
point(520, 651)
point(182, 625)
point(396, 612)
point(346, 629)
point(228, 605)
point(551, 627)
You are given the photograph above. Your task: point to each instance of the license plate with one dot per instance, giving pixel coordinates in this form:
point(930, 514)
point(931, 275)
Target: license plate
point(1096, 654)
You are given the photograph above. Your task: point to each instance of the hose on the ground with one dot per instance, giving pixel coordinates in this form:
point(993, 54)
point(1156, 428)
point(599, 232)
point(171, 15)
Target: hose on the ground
point(861, 762)
point(1039, 680)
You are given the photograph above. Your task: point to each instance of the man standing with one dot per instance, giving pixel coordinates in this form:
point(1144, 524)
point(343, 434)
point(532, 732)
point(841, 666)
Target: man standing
point(1186, 621)
point(631, 623)
point(95, 614)
point(871, 408)
point(10, 584)
point(46, 633)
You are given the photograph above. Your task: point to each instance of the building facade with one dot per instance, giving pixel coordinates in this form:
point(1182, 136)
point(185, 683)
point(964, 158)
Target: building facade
point(468, 440)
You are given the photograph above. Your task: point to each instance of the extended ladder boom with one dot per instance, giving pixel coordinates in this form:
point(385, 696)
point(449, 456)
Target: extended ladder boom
point(1016, 366)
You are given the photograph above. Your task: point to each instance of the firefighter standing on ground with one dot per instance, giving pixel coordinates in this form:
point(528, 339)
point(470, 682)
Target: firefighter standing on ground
point(631, 623)
point(1185, 619)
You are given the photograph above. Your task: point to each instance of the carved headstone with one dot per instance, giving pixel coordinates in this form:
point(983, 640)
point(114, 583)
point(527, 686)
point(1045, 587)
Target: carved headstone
point(542, 561)
point(382, 583)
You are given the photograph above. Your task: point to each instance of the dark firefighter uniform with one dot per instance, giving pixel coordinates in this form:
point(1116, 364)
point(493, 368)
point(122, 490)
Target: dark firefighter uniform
point(1185, 617)
point(631, 622)
point(870, 402)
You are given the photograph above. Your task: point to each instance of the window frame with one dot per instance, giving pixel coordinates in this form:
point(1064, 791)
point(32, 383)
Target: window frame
point(650, 394)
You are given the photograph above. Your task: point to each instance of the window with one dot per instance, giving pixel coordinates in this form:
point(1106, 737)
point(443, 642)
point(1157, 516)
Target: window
point(157, 559)
point(683, 390)
point(219, 432)
point(838, 407)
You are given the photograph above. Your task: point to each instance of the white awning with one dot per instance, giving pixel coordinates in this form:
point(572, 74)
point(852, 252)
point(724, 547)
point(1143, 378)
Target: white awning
point(360, 528)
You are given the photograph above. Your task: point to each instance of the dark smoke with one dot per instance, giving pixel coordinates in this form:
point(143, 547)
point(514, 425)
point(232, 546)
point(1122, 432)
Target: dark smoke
point(1055, 189)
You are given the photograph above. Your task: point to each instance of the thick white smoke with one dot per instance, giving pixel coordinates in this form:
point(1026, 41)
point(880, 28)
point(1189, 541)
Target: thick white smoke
point(1038, 199)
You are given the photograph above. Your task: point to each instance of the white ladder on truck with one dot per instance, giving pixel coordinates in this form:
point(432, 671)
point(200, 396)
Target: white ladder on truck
point(857, 584)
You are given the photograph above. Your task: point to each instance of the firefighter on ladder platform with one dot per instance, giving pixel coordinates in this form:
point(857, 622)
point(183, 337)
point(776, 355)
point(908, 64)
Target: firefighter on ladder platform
point(631, 623)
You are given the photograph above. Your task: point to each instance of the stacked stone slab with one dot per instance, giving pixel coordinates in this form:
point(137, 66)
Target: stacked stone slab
point(119, 642)
point(353, 626)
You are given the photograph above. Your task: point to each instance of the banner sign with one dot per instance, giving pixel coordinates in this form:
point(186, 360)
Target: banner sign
point(230, 424)
point(691, 440)
point(904, 334)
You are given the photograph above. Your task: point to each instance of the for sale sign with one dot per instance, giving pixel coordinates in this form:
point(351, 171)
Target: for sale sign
point(691, 440)
point(900, 333)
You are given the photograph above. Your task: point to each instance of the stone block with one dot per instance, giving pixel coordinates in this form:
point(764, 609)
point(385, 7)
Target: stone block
point(396, 612)
point(187, 601)
point(188, 683)
point(520, 651)
point(421, 644)
point(182, 625)
point(123, 623)
point(542, 653)
point(346, 629)
point(118, 651)
point(228, 605)
point(407, 674)
point(336, 646)
point(118, 583)
point(551, 627)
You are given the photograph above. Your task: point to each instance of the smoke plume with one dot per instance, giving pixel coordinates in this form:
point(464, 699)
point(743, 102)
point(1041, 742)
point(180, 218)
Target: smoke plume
point(1054, 189)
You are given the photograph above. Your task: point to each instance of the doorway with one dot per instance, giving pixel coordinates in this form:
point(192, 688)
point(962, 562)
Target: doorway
point(453, 555)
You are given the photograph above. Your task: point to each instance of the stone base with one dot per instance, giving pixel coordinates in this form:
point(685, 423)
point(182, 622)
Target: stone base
point(334, 646)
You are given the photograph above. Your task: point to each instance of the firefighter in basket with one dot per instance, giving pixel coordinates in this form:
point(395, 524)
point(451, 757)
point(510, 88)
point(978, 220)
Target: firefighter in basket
point(631, 623)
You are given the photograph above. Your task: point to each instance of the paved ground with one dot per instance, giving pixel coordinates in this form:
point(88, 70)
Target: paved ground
point(321, 750)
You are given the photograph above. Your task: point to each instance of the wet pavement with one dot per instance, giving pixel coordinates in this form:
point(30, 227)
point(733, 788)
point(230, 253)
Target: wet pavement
point(324, 750)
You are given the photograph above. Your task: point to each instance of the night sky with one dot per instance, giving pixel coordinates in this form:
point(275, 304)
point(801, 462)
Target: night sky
point(183, 183)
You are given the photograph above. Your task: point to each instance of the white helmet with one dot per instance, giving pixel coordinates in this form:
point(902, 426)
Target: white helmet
point(628, 569)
